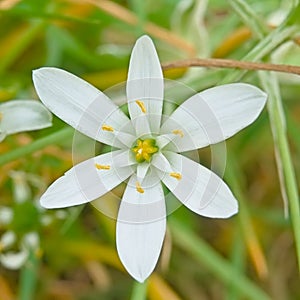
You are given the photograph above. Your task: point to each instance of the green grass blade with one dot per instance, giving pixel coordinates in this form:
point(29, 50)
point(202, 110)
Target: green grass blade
point(284, 160)
point(39, 144)
point(249, 17)
point(208, 257)
point(238, 260)
point(28, 277)
point(278, 125)
point(20, 45)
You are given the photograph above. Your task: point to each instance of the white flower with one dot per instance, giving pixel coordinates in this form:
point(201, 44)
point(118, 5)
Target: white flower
point(6, 215)
point(148, 150)
point(14, 251)
point(22, 115)
point(16, 259)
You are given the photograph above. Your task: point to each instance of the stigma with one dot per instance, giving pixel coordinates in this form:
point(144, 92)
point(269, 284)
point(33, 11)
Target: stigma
point(144, 150)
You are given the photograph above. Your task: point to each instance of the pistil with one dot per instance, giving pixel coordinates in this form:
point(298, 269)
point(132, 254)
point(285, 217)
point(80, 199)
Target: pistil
point(144, 150)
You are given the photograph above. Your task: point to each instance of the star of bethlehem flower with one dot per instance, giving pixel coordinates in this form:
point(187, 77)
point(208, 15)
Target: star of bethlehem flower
point(148, 150)
point(23, 115)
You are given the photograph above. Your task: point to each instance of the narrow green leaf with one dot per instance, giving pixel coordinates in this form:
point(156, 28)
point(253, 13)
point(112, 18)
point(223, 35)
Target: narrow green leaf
point(39, 144)
point(28, 277)
point(208, 257)
point(283, 155)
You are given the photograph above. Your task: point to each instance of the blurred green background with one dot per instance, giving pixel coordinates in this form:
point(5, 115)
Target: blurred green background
point(249, 256)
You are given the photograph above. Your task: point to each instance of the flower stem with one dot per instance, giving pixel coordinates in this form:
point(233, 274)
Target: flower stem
point(139, 291)
point(232, 64)
point(209, 258)
point(53, 138)
point(28, 279)
point(263, 48)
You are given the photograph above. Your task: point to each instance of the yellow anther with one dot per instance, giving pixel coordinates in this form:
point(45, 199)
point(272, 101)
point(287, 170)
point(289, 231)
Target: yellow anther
point(141, 105)
point(176, 175)
point(178, 132)
point(102, 167)
point(139, 188)
point(107, 128)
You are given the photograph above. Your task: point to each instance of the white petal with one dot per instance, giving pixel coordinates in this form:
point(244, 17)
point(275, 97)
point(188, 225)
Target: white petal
point(61, 214)
point(145, 83)
point(14, 260)
point(125, 138)
point(21, 187)
point(84, 182)
point(141, 125)
point(23, 115)
point(46, 220)
point(199, 189)
point(80, 104)
point(164, 139)
point(160, 162)
point(141, 227)
point(31, 240)
point(142, 170)
point(214, 115)
point(7, 240)
point(2, 135)
point(6, 215)
point(124, 158)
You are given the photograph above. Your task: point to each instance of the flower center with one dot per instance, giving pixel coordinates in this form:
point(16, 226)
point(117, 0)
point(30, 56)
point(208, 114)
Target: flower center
point(144, 150)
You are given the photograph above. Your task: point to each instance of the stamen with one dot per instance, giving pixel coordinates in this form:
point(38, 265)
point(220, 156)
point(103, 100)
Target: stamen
point(178, 132)
point(176, 175)
point(141, 104)
point(1, 116)
point(102, 167)
point(139, 188)
point(107, 128)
